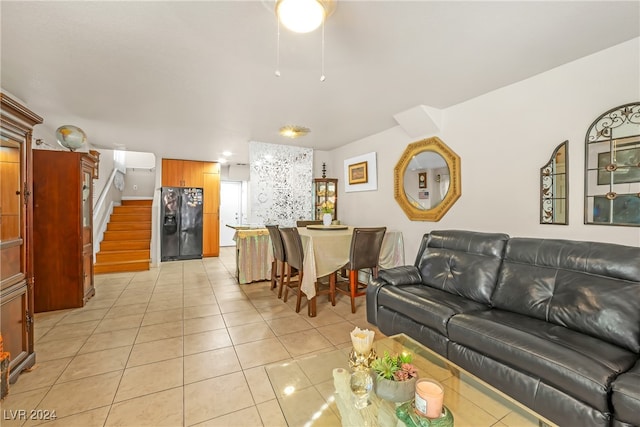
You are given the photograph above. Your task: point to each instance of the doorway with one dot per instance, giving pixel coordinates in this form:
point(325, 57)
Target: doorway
point(230, 210)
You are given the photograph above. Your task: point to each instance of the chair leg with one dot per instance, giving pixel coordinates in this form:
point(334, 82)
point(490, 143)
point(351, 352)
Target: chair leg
point(353, 286)
point(282, 276)
point(332, 287)
point(299, 299)
point(274, 274)
point(311, 311)
point(286, 287)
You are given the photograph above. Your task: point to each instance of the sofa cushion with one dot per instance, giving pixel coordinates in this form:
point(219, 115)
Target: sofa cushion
point(463, 263)
point(626, 396)
point(589, 287)
point(427, 306)
point(577, 364)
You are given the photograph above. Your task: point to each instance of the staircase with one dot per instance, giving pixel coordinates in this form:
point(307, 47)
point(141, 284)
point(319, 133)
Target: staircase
point(127, 240)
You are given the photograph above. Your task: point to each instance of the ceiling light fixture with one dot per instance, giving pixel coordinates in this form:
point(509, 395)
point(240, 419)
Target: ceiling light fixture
point(303, 16)
point(294, 131)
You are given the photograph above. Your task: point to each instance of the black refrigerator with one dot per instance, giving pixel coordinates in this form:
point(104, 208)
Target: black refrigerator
point(181, 223)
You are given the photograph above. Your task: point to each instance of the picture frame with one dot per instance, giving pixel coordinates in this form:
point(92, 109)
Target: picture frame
point(358, 173)
point(628, 158)
point(422, 180)
point(371, 183)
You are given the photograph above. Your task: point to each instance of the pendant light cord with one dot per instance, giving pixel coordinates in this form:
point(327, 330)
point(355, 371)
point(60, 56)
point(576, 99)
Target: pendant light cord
point(322, 77)
point(278, 49)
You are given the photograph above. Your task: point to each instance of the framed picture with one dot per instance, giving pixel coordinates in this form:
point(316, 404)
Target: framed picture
point(628, 167)
point(422, 180)
point(358, 173)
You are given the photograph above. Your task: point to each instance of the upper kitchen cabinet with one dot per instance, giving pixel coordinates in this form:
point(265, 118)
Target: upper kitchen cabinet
point(182, 173)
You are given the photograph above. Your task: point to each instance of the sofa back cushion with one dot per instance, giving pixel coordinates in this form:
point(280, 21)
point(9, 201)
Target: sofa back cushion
point(464, 263)
point(593, 288)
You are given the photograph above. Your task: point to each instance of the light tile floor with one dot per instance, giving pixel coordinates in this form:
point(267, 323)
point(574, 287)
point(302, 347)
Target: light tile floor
point(180, 345)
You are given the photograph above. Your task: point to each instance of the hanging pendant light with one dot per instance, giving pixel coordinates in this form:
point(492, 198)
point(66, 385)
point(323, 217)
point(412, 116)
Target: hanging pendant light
point(303, 16)
point(300, 16)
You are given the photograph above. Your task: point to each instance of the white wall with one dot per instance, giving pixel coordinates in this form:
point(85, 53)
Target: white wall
point(141, 160)
point(503, 138)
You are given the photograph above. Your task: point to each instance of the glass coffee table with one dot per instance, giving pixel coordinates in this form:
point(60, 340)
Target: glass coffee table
point(306, 392)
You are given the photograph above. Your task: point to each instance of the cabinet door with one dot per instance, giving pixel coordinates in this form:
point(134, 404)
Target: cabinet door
point(15, 324)
point(172, 173)
point(211, 208)
point(87, 274)
point(12, 265)
point(211, 234)
point(192, 172)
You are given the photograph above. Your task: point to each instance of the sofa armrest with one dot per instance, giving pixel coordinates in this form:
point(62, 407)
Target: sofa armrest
point(403, 275)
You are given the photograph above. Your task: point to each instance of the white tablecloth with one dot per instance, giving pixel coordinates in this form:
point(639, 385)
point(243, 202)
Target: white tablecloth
point(253, 255)
point(326, 251)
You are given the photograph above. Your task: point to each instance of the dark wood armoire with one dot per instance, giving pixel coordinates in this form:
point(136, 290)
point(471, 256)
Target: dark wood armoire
point(16, 255)
point(63, 229)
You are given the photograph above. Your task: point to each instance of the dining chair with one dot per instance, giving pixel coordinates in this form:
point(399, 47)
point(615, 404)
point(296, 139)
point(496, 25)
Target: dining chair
point(364, 253)
point(278, 256)
point(304, 223)
point(294, 253)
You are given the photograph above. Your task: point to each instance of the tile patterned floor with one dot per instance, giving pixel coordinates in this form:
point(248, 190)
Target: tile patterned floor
point(180, 345)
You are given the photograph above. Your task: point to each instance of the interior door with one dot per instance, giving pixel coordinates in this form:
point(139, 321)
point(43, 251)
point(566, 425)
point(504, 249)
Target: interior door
point(230, 210)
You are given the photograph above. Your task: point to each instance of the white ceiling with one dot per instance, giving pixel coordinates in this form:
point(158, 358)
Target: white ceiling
point(190, 79)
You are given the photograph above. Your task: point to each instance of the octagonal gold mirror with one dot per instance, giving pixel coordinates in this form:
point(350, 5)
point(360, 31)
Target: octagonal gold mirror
point(426, 180)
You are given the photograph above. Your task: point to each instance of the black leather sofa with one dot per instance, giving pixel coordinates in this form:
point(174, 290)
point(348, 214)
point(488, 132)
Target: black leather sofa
point(553, 323)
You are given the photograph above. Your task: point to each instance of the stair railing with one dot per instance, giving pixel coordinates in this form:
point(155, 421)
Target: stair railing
point(111, 196)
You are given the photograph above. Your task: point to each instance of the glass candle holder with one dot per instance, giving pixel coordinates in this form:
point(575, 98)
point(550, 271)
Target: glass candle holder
point(429, 398)
point(361, 384)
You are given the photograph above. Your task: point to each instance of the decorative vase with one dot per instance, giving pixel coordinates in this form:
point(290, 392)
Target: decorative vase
point(395, 391)
point(326, 219)
point(358, 361)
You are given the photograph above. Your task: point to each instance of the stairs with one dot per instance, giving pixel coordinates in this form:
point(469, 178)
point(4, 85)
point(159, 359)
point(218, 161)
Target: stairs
point(127, 240)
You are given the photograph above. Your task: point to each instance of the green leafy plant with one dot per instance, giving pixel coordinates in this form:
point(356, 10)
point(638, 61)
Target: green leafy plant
point(398, 368)
point(326, 207)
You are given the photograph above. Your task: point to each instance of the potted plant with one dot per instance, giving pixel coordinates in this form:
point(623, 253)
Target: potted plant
point(395, 378)
point(327, 213)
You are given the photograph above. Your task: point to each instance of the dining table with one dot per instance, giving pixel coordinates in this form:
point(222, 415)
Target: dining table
point(327, 249)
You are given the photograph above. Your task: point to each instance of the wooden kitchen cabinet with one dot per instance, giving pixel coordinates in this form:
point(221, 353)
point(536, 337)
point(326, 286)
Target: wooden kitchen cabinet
point(16, 226)
point(63, 229)
point(182, 173)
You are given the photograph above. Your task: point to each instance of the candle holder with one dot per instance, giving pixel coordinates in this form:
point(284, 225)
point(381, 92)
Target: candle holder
point(429, 398)
point(361, 361)
point(362, 353)
point(407, 414)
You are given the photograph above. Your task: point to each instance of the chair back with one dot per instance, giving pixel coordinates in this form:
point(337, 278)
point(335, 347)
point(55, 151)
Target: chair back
point(276, 243)
point(365, 247)
point(292, 247)
point(304, 222)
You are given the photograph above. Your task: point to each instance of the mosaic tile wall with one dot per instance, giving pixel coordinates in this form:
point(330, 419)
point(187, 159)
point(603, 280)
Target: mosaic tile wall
point(280, 183)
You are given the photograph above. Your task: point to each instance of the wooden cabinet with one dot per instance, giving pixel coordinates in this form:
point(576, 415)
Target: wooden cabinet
point(63, 229)
point(325, 196)
point(16, 219)
point(206, 175)
point(182, 173)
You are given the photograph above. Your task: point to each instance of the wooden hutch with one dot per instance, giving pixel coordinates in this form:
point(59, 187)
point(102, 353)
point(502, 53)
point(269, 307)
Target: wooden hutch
point(16, 221)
